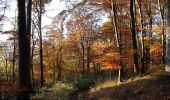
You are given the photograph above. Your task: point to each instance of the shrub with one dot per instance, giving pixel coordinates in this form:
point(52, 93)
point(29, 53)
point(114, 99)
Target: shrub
point(82, 84)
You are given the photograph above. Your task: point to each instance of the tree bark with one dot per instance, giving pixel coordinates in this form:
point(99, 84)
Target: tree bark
point(142, 37)
point(88, 60)
point(24, 53)
point(161, 8)
point(82, 60)
point(41, 49)
point(6, 69)
point(117, 38)
point(60, 64)
point(134, 38)
point(167, 11)
point(32, 57)
point(13, 62)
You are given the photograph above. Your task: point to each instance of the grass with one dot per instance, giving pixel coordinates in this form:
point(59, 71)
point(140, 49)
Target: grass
point(62, 90)
point(155, 86)
point(58, 91)
point(112, 83)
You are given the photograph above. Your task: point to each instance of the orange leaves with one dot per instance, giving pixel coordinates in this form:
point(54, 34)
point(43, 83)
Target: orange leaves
point(108, 56)
point(155, 47)
point(107, 2)
point(156, 52)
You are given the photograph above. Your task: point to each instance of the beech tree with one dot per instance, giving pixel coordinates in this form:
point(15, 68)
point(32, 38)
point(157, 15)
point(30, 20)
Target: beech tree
point(134, 37)
point(24, 22)
point(167, 11)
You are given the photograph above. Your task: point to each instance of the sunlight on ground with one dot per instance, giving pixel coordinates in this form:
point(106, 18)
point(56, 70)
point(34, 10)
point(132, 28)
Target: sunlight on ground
point(110, 84)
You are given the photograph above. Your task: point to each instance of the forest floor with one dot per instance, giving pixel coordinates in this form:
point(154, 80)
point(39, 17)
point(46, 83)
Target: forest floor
point(154, 86)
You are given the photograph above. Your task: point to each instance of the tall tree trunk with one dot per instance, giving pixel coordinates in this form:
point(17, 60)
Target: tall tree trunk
point(142, 36)
point(6, 69)
point(117, 37)
point(32, 56)
point(24, 53)
point(134, 38)
point(82, 60)
point(28, 31)
point(161, 8)
point(59, 64)
point(88, 60)
point(150, 30)
point(13, 61)
point(54, 63)
point(167, 11)
point(41, 50)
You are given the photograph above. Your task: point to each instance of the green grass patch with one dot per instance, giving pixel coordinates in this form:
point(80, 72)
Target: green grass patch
point(58, 91)
point(61, 90)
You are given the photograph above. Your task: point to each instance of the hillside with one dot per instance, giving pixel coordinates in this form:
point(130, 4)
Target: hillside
point(154, 86)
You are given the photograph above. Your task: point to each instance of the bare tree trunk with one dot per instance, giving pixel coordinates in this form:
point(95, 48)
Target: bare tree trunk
point(150, 30)
point(82, 60)
point(41, 49)
point(167, 11)
point(13, 62)
point(134, 38)
point(142, 37)
point(88, 60)
point(161, 8)
point(59, 64)
point(117, 37)
point(6, 69)
point(32, 56)
point(24, 53)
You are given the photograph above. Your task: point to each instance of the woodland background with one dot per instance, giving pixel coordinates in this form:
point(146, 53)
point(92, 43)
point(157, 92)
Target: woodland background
point(89, 43)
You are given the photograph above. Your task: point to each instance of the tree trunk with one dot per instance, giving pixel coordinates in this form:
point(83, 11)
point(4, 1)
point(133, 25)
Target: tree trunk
point(41, 50)
point(60, 65)
point(28, 30)
point(24, 53)
point(134, 38)
point(142, 37)
point(32, 56)
point(88, 61)
point(167, 11)
point(13, 62)
point(150, 30)
point(161, 8)
point(82, 60)
point(117, 37)
point(6, 69)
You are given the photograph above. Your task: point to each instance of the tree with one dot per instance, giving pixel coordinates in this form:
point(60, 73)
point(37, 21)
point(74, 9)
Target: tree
point(167, 11)
point(24, 48)
point(142, 35)
point(162, 11)
point(117, 37)
point(134, 37)
point(3, 6)
point(40, 37)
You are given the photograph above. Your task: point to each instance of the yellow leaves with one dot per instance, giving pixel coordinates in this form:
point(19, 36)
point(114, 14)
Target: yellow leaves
point(157, 30)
